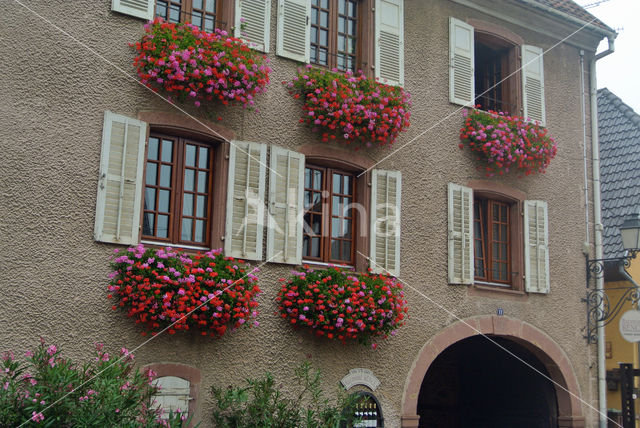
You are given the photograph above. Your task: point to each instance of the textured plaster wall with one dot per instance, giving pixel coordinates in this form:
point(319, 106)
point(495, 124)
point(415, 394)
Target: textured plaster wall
point(53, 275)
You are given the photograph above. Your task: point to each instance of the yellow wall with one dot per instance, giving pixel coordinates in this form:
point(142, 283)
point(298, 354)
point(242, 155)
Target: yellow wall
point(621, 350)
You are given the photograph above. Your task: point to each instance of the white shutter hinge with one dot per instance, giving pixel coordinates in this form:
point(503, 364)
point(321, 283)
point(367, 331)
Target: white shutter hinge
point(102, 178)
point(222, 238)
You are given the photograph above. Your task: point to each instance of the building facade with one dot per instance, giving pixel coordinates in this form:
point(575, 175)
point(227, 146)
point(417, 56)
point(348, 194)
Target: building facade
point(73, 105)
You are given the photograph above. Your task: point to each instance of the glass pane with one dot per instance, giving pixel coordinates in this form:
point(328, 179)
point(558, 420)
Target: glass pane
point(494, 250)
point(342, 7)
point(315, 2)
point(352, 9)
point(315, 247)
point(494, 232)
point(196, 19)
point(316, 226)
point(337, 183)
point(346, 228)
point(342, 27)
point(149, 198)
point(322, 56)
point(503, 252)
point(336, 208)
point(199, 235)
point(203, 158)
point(201, 206)
point(152, 153)
point(197, 4)
point(317, 201)
point(306, 227)
point(351, 64)
point(174, 13)
point(187, 233)
point(314, 35)
point(167, 151)
point(190, 156)
point(336, 231)
point(152, 170)
point(317, 179)
point(346, 185)
point(314, 16)
point(307, 200)
point(203, 182)
point(503, 232)
point(324, 19)
point(353, 26)
point(187, 204)
point(163, 226)
point(324, 4)
point(503, 214)
point(335, 250)
point(346, 250)
point(161, 9)
point(324, 38)
point(342, 62)
point(209, 24)
point(313, 55)
point(305, 246)
point(147, 224)
point(165, 175)
point(163, 200)
point(189, 179)
point(496, 214)
point(211, 6)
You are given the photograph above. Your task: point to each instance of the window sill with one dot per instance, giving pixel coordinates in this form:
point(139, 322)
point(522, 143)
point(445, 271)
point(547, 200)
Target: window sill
point(315, 263)
point(191, 249)
point(484, 289)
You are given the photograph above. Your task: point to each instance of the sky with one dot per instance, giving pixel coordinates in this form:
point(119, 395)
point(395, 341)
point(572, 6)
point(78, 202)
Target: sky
point(620, 71)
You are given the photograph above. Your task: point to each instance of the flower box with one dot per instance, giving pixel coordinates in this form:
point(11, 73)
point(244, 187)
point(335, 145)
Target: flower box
point(351, 107)
point(191, 64)
point(506, 142)
point(343, 305)
point(168, 289)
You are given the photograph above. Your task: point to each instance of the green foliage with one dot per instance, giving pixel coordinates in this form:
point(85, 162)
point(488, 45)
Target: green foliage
point(51, 391)
point(261, 404)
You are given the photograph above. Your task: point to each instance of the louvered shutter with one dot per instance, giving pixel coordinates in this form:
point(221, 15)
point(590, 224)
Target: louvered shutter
point(256, 15)
point(536, 247)
point(120, 181)
point(386, 188)
point(245, 200)
point(460, 254)
point(294, 29)
point(461, 63)
point(286, 189)
point(138, 8)
point(533, 83)
point(389, 37)
point(174, 395)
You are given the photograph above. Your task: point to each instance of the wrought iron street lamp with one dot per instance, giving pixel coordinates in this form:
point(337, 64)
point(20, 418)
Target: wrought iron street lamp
point(600, 311)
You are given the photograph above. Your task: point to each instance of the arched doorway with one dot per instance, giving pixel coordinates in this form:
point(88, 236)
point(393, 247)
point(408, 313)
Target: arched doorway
point(529, 343)
point(474, 383)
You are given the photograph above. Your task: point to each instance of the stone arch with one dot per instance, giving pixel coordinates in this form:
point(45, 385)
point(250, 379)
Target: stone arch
point(539, 343)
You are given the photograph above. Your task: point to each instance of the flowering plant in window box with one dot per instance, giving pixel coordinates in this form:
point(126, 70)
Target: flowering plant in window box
point(168, 289)
point(505, 141)
point(189, 63)
point(351, 107)
point(342, 304)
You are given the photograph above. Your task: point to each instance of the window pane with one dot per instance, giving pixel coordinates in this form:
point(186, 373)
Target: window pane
point(317, 179)
point(314, 35)
point(196, 19)
point(190, 156)
point(199, 235)
point(165, 175)
point(335, 206)
point(209, 24)
point(346, 250)
point(203, 158)
point(201, 206)
point(147, 224)
point(314, 16)
point(149, 198)
point(307, 200)
point(189, 179)
point(211, 6)
point(187, 233)
point(315, 247)
point(163, 200)
point(346, 228)
point(336, 183)
point(152, 170)
point(167, 151)
point(353, 28)
point(152, 153)
point(203, 182)
point(335, 250)
point(322, 56)
point(163, 226)
point(317, 202)
point(174, 13)
point(187, 204)
point(336, 231)
point(324, 38)
point(342, 63)
point(346, 185)
point(197, 4)
point(342, 7)
point(305, 246)
point(316, 224)
point(324, 19)
point(352, 9)
point(324, 4)
point(342, 27)
point(161, 9)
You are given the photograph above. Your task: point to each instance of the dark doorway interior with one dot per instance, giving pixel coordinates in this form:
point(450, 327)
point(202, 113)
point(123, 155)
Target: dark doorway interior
point(475, 384)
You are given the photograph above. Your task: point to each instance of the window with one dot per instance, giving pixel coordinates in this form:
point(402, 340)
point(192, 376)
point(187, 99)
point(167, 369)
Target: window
point(329, 223)
point(334, 33)
point(495, 86)
point(178, 185)
point(204, 14)
point(492, 243)
point(367, 411)
point(179, 387)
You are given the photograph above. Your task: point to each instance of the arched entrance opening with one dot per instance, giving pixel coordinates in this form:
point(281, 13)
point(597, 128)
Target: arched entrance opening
point(474, 383)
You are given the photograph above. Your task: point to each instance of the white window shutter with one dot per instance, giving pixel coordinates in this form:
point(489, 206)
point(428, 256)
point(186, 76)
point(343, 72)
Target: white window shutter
point(389, 38)
point(536, 247)
point(286, 190)
point(386, 191)
point(461, 63)
point(138, 8)
point(460, 253)
point(533, 83)
point(174, 395)
point(120, 181)
point(245, 200)
point(294, 29)
point(256, 15)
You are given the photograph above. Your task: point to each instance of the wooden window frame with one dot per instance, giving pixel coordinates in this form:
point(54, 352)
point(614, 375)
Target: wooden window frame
point(487, 239)
point(225, 11)
point(515, 200)
point(327, 215)
point(365, 35)
point(183, 371)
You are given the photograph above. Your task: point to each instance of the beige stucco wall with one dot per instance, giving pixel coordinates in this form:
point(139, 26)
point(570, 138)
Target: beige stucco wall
point(54, 276)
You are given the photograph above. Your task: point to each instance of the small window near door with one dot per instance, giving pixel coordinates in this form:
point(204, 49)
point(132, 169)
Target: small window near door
point(367, 411)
